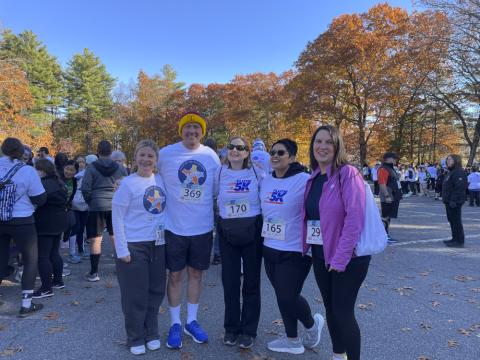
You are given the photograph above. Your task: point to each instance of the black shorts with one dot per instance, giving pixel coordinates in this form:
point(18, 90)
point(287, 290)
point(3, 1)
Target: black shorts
point(96, 222)
point(390, 209)
point(193, 251)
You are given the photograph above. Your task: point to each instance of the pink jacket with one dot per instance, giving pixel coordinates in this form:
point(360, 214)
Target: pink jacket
point(342, 215)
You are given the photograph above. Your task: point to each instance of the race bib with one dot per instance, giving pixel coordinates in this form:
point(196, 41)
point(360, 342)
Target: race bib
point(274, 229)
point(314, 232)
point(160, 235)
point(237, 208)
point(194, 194)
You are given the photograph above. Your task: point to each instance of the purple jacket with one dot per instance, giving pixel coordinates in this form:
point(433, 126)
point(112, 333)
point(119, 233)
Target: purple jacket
point(342, 215)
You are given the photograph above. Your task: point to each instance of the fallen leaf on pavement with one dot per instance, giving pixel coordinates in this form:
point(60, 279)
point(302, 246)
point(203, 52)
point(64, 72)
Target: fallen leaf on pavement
point(365, 306)
point(185, 355)
point(75, 303)
point(271, 332)
point(211, 285)
point(11, 350)
point(426, 326)
point(475, 289)
point(435, 304)
point(278, 322)
point(52, 316)
point(472, 301)
point(66, 292)
point(319, 300)
point(452, 343)
point(464, 332)
point(162, 310)
point(3, 327)
point(425, 273)
point(56, 329)
point(405, 329)
point(423, 357)
point(100, 300)
point(463, 278)
point(109, 284)
point(404, 290)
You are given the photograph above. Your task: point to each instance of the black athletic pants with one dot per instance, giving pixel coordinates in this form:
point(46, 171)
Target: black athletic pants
point(50, 262)
point(339, 292)
point(474, 197)
point(454, 216)
point(25, 238)
point(241, 319)
point(142, 288)
point(287, 271)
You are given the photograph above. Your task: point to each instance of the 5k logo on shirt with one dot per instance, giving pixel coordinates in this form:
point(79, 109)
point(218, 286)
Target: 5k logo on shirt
point(276, 196)
point(240, 186)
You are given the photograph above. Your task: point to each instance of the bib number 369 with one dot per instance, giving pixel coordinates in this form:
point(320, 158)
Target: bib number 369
point(274, 229)
point(191, 194)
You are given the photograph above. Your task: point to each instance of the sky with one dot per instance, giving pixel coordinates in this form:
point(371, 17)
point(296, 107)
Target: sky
point(205, 41)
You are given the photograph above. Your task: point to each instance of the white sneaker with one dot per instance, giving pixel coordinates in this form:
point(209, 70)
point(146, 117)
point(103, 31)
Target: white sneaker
point(312, 336)
point(153, 345)
point(284, 344)
point(138, 350)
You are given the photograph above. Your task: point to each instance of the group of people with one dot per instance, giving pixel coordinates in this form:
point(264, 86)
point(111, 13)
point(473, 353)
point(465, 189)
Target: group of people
point(162, 215)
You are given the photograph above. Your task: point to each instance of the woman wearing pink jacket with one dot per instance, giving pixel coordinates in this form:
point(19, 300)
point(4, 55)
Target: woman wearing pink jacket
point(334, 215)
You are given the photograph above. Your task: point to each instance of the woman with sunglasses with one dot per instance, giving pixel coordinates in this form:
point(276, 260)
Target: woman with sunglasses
point(333, 219)
point(239, 227)
point(281, 197)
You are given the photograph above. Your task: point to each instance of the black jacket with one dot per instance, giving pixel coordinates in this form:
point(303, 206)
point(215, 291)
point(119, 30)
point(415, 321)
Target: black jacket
point(455, 186)
point(51, 217)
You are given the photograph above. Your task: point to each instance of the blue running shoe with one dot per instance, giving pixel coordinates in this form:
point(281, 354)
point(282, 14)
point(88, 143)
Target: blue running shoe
point(174, 340)
point(196, 332)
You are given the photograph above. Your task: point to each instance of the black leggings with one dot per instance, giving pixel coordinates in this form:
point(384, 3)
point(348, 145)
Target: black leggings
point(339, 292)
point(50, 262)
point(81, 218)
point(287, 271)
point(25, 238)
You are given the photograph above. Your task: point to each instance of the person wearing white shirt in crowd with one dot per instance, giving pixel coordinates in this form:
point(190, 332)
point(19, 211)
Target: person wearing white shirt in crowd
point(432, 170)
point(411, 177)
point(188, 170)
point(138, 208)
point(474, 186)
point(239, 229)
point(17, 221)
point(422, 179)
point(282, 196)
point(260, 156)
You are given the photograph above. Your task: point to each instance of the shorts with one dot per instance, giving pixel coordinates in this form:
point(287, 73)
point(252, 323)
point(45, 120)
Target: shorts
point(96, 222)
point(390, 210)
point(193, 251)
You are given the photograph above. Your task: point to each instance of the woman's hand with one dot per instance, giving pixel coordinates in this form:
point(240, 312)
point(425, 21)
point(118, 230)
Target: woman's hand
point(331, 268)
point(126, 259)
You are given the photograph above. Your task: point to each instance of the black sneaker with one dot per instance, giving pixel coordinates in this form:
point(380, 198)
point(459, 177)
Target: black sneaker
point(230, 339)
point(216, 260)
point(391, 240)
point(245, 341)
point(58, 286)
point(454, 244)
point(40, 294)
point(24, 312)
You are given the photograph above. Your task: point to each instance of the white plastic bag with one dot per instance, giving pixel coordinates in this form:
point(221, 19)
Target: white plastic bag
point(373, 239)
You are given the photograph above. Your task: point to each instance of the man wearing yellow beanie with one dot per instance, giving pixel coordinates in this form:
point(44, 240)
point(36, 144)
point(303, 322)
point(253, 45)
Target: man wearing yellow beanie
point(188, 170)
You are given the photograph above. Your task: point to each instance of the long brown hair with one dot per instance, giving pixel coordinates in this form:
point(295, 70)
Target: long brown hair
point(247, 162)
point(340, 154)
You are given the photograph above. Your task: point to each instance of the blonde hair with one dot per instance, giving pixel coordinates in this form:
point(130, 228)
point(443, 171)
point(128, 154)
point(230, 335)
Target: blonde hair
point(247, 162)
point(142, 144)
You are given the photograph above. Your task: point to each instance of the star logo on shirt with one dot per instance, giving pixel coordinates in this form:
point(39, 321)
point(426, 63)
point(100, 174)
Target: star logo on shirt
point(154, 200)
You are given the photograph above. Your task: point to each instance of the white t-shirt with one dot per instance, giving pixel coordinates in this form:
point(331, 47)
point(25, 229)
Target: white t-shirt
point(432, 170)
point(374, 171)
point(28, 184)
point(422, 176)
point(474, 181)
point(282, 202)
point(189, 177)
point(238, 194)
point(261, 160)
point(138, 208)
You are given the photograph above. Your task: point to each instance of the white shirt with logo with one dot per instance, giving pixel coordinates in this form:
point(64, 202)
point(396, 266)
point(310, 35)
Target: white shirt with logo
point(238, 194)
point(189, 178)
point(28, 184)
point(261, 160)
point(138, 211)
point(282, 202)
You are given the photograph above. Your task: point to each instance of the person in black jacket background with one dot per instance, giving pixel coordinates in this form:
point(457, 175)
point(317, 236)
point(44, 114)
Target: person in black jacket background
point(50, 221)
point(453, 196)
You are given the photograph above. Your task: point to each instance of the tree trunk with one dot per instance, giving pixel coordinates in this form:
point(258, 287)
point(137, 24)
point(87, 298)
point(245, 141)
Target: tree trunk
point(474, 143)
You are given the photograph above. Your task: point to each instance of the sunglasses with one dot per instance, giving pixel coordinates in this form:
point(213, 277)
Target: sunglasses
point(238, 147)
point(279, 152)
